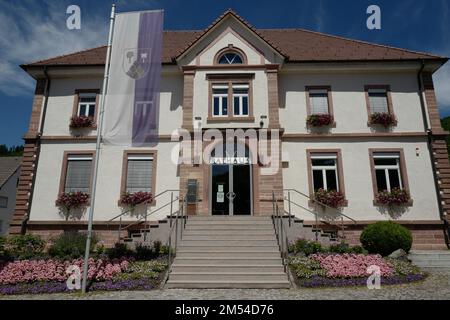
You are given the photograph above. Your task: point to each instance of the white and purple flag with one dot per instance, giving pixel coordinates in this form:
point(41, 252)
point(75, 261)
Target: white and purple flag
point(132, 100)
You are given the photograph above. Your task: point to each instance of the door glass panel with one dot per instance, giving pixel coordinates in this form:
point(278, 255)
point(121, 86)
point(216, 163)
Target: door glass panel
point(220, 188)
point(381, 180)
point(394, 179)
point(241, 187)
point(331, 180)
point(318, 180)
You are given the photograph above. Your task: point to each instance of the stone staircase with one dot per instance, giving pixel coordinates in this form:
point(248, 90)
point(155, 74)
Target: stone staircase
point(432, 259)
point(228, 252)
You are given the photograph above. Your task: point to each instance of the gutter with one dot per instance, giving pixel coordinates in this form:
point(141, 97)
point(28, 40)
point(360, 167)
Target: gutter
point(446, 225)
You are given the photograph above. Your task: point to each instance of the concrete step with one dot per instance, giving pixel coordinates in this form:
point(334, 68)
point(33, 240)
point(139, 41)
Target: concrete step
point(219, 284)
point(207, 232)
point(227, 276)
point(229, 218)
point(228, 261)
point(229, 254)
point(432, 263)
point(238, 237)
point(233, 227)
point(229, 222)
point(176, 267)
point(242, 248)
point(231, 243)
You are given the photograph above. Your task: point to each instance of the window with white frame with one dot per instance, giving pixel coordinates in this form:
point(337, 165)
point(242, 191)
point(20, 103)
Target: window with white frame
point(87, 104)
point(230, 58)
point(387, 171)
point(318, 101)
point(378, 101)
point(3, 202)
point(220, 100)
point(325, 171)
point(240, 100)
point(78, 173)
point(139, 173)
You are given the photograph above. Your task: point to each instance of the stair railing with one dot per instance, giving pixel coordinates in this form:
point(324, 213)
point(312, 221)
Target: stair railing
point(144, 218)
point(177, 227)
point(280, 230)
point(316, 216)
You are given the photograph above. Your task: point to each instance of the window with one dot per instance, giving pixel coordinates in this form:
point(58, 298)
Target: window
point(139, 173)
point(230, 58)
point(378, 101)
point(220, 100)
point(78, 173)
point(387, 171)
point(87, 104)
point(240, 100)
point(318, 101)
point(324, 171)
point(3, 202)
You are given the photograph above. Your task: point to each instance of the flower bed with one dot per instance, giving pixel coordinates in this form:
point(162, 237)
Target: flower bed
point(331, 198)
point(397, 197)
point(319, 120)
point(336, 270)
point(49, 276)
point(384, 119)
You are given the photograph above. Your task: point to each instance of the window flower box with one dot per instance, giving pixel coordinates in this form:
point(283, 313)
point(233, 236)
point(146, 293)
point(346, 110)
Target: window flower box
point(384, 119)
point(397, 197)
point(71, 204)
point(131, 200)
point(330, 198)
point(319, 120)
point(81, 122)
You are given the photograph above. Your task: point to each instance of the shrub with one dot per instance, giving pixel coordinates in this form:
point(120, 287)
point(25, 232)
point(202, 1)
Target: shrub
point(25, 246)
point(157, 247)
point(385, 237)
point(385, 119)
point(351, 265)
point(404, 268)
point(144, 252)
point(142, 270)
point(346, 248)
point(331, 198)
point(4, 253)
point(120, 250)
point(396, 197)
point(71, 245)
point(319, 120)
point(306, 247)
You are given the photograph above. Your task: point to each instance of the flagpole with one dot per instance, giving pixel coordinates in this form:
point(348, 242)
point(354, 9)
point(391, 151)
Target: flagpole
point(97, 153)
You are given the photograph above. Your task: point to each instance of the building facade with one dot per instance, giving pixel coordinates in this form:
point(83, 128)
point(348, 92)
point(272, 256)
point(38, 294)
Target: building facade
point(9, 178)
point(233, 76)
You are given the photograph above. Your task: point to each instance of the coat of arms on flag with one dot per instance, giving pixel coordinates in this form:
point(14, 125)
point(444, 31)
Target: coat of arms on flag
point(132, 99)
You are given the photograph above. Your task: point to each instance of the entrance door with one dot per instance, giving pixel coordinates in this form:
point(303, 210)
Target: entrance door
point(231, 190)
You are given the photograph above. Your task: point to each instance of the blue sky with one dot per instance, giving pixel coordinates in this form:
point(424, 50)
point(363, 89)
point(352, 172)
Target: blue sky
point(35, 29)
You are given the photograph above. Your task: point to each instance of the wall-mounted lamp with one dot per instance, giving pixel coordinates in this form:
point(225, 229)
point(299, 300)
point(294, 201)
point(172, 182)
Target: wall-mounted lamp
point(417, 152)
point(261, 122)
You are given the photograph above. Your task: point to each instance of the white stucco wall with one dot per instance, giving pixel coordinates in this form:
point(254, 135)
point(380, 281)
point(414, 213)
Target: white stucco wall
point(358, 179)
point(8, 190)
point(109, 179)
point(349, 102)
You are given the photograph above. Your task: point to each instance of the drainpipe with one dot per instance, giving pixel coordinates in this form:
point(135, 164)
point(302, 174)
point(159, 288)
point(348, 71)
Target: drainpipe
point(38, 145)
point(432, 158)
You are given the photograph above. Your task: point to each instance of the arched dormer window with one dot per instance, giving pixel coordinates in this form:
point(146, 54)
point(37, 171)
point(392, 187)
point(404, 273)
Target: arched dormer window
point(230, 57)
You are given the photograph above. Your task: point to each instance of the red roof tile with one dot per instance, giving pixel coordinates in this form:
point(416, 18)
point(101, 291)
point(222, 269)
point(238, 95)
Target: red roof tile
point(296, 45)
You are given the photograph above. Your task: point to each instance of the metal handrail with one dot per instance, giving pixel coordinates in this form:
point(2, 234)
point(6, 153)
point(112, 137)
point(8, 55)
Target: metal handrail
point(181, 213)
point(288, 198)
point(280, 230)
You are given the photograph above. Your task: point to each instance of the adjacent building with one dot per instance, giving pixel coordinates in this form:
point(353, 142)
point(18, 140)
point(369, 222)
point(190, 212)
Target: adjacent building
point(9, 178)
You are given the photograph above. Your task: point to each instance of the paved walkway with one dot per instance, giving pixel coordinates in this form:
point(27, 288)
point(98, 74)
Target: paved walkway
point(435, 287)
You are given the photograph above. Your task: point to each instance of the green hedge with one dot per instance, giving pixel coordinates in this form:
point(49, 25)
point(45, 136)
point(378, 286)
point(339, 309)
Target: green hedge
point(385, 237)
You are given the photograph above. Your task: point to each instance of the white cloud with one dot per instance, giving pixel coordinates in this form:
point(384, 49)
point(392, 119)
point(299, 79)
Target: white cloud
point(30, 32)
